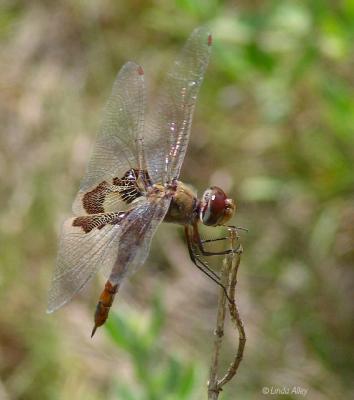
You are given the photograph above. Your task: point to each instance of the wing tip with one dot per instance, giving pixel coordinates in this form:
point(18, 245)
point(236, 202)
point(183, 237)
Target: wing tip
point(203, 33)
point(210, 39)
point(140, 70)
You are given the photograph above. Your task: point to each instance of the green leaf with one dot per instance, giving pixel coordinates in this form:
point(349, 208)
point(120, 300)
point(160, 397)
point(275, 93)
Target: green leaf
point(187, 382)
point(261, 188)
point(124, 392)
point(158, 318)
point(125, 336)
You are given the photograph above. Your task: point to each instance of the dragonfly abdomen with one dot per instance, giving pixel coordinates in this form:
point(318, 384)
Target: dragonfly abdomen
point(104, 304)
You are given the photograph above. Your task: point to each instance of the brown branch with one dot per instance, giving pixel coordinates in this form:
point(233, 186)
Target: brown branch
point(229, 279)
point(213, 390)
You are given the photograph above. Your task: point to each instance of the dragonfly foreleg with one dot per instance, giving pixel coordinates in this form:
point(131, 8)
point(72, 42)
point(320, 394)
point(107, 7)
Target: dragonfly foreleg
point(200, 244)
point(203, 241)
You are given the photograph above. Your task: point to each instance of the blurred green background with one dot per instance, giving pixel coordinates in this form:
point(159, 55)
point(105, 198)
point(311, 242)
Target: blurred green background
point(274, 126)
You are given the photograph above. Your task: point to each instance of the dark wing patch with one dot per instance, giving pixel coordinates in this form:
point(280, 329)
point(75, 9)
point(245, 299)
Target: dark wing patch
point(93, 201)
point(87, 223)
point(115, 195)
point(133, 184)
point(128, 188)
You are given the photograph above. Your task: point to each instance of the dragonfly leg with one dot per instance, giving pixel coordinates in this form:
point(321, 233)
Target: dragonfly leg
point(199, 242)
point(201, 265)
point(104, 304)
point(213, 240)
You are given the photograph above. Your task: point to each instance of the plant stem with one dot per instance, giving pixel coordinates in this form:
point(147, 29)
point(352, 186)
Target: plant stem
point(229, 279)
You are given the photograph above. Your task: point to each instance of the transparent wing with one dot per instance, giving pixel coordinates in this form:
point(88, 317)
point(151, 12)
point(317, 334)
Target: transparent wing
point(169, 124)
point(137, 232)
point(86, 244)
point(118, 147)
point(116, 242)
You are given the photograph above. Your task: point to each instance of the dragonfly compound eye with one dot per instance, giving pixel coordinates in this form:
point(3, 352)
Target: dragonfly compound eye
point(216, 208)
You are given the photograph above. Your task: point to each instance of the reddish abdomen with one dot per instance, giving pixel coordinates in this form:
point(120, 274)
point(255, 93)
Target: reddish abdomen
point(104, 304)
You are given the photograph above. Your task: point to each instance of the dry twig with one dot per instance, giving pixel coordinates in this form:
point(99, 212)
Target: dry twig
point(229, 280)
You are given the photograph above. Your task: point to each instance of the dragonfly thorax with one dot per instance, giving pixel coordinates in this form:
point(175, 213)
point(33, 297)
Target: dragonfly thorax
point(184, 207)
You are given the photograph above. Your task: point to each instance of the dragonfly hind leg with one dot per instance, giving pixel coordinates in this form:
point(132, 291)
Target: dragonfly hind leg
point(104, 304)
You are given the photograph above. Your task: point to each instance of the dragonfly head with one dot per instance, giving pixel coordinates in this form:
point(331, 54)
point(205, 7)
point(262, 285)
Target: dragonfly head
point(216, 209)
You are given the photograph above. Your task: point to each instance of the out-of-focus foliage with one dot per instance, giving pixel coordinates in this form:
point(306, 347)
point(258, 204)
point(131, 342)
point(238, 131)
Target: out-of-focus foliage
point(160, 373)
point(274, 126)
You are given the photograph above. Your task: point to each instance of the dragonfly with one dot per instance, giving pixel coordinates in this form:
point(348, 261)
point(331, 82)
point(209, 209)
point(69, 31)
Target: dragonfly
point(132, 183)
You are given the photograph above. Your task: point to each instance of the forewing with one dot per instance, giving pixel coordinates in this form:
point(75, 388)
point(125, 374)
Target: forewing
point(87, 244)
point(118, 147)
point(138, 230)
point(169, 124)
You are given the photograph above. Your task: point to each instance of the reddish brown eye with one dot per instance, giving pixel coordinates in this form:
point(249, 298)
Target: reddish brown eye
point(216, 208)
